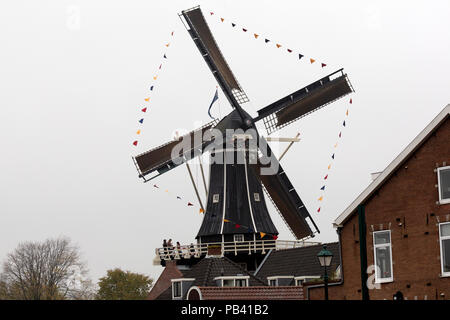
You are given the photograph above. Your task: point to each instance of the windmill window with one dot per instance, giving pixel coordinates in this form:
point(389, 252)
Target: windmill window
point(238, 238)
point(383, 256)
point(216, 198)
point(273, 282)
point(444, 184)
point(444, 235)
point(256, 196)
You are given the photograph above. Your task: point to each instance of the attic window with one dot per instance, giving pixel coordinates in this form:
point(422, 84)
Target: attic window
point(444, 184)
point(238, 238)
point(256, 196)
point(234, 281)
point(216, 198)
point(176, 289)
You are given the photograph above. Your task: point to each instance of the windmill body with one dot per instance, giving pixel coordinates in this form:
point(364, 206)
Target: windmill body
point(236, 220)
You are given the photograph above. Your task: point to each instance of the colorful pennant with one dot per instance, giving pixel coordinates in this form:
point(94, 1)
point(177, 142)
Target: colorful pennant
point(333, 155)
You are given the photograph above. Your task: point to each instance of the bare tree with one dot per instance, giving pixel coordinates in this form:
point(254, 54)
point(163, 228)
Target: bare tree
point(45, 271)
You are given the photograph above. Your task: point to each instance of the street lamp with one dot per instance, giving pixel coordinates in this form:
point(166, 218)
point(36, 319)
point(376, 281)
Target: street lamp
point(325, 257)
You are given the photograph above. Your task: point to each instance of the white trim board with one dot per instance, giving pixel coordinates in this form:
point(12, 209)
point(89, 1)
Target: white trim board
point(394, 165)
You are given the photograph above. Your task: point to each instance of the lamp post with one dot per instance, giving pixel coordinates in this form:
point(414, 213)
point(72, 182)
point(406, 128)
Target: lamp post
point(325, 257)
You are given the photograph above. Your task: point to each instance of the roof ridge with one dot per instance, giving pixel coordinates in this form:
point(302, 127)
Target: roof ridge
point(207, 272)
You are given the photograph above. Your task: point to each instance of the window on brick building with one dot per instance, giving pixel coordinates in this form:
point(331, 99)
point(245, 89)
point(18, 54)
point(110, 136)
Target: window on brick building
point(444, 184)
point(444, 235)
point(383, 256)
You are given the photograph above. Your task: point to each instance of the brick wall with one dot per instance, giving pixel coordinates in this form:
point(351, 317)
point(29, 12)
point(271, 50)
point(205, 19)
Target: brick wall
point(405, 204)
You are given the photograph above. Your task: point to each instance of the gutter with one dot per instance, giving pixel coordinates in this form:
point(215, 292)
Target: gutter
point(342, 270)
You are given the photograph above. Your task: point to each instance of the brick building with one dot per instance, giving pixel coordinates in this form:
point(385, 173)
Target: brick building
point(396, 234)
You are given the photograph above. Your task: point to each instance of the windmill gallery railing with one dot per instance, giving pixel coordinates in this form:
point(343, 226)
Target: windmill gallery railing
point(220, 248)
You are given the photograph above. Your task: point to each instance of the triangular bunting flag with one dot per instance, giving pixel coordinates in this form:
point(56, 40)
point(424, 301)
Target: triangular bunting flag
point(138, 132)
point(351, 101)
point(320, 199)
point(340, 134)
point(225, 220)
point(178, 197)
point(165, 57)
point(144, 110)
point(346, 113)
point(237, 226)
point(312, 60)
point(168, 44)
point(151, 88)
point(160, 66)
point(250, 230)
point(318, 210)
point(172, 33)
point(262, 234)
point(233, 24)
point(155, 77)
point(344, 123)
point(278, 45)
point(256, 35)
point(266, 40)
point(190, 204)
point(323, 188)
point(289, 50)
point(323, 65)
point(332, 156)
point(300, 56)
point(243, 29)
point(275, 237)
point(335, 145)
point(155, 186)
point(325, 177)
point(201, 210)
point(211, 13)
point(141, 121)
point(147, 99)
point(329, 166)
point(222, 19)
point(135, 143)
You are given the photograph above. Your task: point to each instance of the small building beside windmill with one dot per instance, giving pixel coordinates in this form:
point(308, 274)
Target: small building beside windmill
point(283, 275)
point(395, 236)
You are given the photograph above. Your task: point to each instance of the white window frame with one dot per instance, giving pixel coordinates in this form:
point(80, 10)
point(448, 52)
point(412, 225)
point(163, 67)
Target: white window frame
point(276, 279)
point(442, 201)
point(180, 281)
point(443, 274)
point(173, 289)
point(234, 278)
point(300, 280)
point(375, 246)
point(256, 197)
point(216, 198)
point(235, 236)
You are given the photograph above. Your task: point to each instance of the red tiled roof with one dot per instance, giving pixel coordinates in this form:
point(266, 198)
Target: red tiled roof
point(252, 293)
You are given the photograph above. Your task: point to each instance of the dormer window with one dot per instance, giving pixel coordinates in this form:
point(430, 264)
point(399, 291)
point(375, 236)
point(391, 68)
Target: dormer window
point(233, 281)
point(176, 289)
point(444, 184)
point(180, 287)
point(299, 281)
point(275, 281)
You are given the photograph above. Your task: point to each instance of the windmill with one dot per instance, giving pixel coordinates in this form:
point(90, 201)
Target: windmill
point(235, 192)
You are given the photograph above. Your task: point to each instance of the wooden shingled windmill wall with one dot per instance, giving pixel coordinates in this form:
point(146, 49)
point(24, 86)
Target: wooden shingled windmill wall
point(236, 206)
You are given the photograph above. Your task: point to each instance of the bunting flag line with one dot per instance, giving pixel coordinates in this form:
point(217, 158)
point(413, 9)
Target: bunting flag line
point(237, 226)
point(155, 77)
point(333, 156)
point(266, 40)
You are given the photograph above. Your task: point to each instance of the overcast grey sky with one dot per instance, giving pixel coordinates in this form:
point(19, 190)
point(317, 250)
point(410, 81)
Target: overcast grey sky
point(71, 96)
